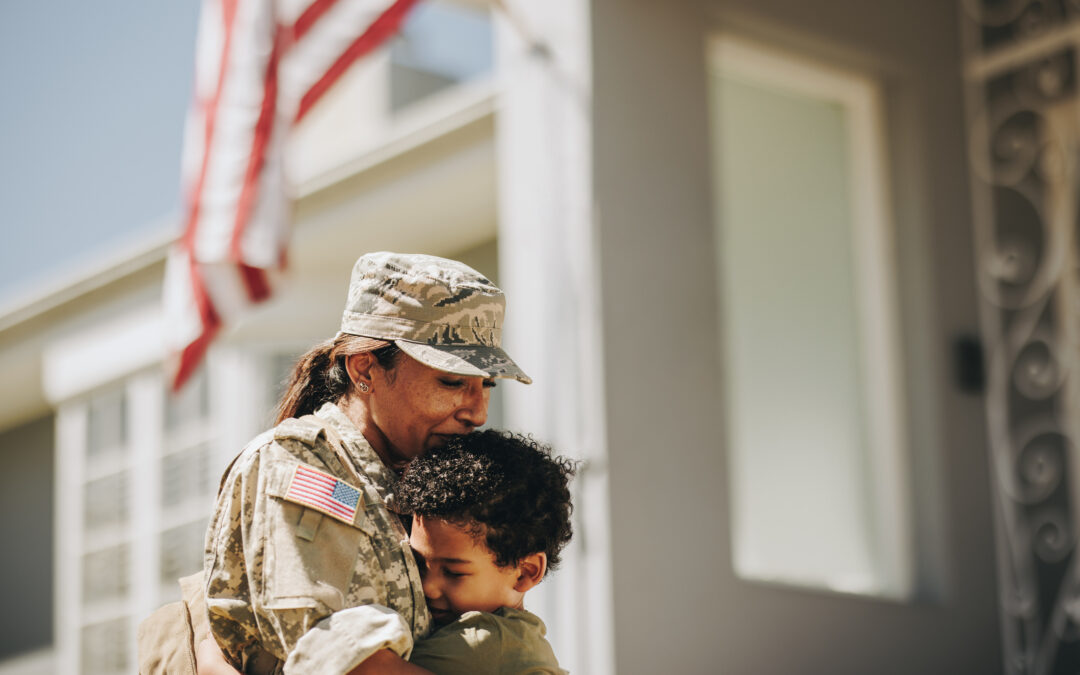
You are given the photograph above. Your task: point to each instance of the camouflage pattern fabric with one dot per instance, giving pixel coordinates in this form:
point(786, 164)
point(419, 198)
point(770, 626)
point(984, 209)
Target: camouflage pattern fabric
point(277, 571)
point(438, 311)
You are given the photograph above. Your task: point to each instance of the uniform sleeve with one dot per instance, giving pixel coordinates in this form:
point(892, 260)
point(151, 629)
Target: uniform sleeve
point(346, 638)
point(278, 572)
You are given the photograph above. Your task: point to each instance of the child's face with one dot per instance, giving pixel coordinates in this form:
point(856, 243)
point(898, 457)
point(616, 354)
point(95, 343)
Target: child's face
point(459, 572)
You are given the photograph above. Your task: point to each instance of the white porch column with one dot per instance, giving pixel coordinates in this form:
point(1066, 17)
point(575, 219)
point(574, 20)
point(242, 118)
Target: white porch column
point(548, 268)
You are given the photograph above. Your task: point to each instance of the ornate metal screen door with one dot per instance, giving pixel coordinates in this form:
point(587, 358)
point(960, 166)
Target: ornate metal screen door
point(1024, 120)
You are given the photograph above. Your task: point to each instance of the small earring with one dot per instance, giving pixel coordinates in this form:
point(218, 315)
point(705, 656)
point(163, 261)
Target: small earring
point(364, 387)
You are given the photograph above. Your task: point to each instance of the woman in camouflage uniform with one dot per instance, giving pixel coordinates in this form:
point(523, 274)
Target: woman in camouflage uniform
point(307, 568)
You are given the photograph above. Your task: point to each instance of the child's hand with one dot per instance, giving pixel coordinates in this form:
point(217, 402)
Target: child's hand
point(210, 660)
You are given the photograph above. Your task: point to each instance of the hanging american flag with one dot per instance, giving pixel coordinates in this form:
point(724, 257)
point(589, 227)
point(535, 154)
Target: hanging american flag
point(260, 67)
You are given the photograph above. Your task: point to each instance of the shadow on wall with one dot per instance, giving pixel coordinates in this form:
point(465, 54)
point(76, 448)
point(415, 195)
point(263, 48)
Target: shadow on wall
point(26, 530)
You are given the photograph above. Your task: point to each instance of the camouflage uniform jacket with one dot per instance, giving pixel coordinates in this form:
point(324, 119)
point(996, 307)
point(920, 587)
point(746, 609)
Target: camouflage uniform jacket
point(277, 568)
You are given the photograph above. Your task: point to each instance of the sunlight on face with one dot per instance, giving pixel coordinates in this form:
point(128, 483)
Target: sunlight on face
point(416, 407)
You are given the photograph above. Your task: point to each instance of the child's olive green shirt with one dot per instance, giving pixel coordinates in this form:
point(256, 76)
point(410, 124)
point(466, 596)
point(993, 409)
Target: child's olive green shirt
point(506, 642)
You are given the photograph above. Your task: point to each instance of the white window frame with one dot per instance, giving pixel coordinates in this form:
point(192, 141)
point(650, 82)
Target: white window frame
point(142, 395)
point(861, 97)
point(127, 352)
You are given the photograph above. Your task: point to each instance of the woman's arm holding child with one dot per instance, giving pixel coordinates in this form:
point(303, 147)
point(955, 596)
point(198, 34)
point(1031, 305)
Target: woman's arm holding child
point(384, 662)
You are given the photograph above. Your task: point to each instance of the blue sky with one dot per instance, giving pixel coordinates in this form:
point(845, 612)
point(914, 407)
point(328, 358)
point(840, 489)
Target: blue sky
point(92, 114)
point(91, 120)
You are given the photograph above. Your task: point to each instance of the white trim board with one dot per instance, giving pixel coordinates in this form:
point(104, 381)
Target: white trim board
point(877, 299)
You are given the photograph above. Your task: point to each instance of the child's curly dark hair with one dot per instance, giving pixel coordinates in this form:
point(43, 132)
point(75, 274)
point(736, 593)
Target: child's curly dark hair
point(505, 487)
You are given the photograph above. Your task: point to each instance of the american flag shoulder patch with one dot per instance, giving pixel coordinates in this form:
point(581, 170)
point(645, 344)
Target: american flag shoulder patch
point(320, 491)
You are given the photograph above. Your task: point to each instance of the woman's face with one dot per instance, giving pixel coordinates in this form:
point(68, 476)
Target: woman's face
point(415, 408)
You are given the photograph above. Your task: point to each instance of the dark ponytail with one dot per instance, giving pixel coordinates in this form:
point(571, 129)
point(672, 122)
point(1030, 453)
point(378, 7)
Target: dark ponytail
point(320, 375)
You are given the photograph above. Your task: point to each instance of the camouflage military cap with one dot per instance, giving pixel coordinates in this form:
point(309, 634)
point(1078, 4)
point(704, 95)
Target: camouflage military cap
point(440, 312)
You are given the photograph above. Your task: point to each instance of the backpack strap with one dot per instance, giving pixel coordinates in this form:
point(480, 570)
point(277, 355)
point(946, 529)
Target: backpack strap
point(166, 641)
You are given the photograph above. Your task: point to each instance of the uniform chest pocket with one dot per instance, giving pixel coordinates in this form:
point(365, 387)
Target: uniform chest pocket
point(319, 532)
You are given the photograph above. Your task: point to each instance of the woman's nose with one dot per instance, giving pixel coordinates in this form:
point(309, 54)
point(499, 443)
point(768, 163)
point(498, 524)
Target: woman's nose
point(473, 412)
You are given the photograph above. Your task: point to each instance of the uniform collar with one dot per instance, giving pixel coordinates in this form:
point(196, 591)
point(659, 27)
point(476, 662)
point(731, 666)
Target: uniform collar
point(383, 479)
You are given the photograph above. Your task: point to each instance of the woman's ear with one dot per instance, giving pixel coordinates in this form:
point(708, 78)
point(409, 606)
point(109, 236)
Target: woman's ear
point(531, 571)
point(359, 368)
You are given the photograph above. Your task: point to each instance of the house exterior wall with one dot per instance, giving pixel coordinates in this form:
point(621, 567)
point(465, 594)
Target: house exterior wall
point(548, 268)
point(677, 604)
point(653, 200)
point(606, 249)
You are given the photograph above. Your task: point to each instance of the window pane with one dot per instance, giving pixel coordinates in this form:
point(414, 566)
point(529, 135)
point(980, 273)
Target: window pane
point(277, 368)
point(105, 647)
point(106, 423)
point(191, 405)
point(804, 460)
point(280, 368)
point(440, 45)
point(106, 502)
point(182, 551)
point(105, 574)
point(185, 475)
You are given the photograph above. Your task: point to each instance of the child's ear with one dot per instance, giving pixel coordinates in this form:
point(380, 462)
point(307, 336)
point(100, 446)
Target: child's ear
point(531, 571)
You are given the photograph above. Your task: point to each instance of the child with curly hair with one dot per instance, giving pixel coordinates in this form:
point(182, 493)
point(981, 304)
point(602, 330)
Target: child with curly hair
point(491, 514)
point(490, 517)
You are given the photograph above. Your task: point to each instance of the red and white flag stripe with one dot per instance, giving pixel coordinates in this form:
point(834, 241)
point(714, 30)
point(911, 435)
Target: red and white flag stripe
point(260, 67)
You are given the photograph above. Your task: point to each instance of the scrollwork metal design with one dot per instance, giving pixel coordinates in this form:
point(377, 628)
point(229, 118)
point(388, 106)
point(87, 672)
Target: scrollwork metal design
point(1024, 111)
point(1000, 22)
